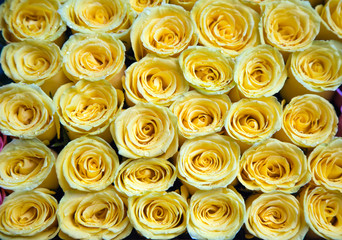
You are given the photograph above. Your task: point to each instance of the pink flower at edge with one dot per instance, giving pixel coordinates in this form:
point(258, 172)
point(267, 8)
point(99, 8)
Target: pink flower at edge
point(338, 104)
point(3, 141)
point(2, 195)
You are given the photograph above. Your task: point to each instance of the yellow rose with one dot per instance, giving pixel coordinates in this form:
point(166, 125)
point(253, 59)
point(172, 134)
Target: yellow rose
point(208, 162)
point(88, 108)
point(323, 211)
point(99, 16)
point(226, 24)
point(215, 214)
point(29, 215)
point(27, 112)
point(94, 57)
point(325, 163)
point(140, 5)
point(97, 215)
point(137, 176)
point(207, 70)
point(275, 216)
point(27, 164)
point(308, 120)
point(260, 71)
point(145, 130)
point(288, 25)
point(273, 165)
point(317, 70)
point(86, 164)
point(34, 61)
point(164, 30)
point(31, 19)
point(158, 215)
point(253, 120)
point(331, 25)
point(186, 4)
point(199, 114)
point(154, 79)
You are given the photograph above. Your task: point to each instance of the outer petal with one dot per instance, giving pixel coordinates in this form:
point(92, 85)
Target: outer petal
point(186, 4)
point(139, 6)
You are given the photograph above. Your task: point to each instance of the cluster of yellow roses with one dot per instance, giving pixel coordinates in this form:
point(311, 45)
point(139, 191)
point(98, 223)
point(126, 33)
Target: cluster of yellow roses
point(197, 104)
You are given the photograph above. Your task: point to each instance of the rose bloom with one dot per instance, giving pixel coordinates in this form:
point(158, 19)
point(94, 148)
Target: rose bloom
point(27, 112)
point(273, 165)
point(229, 25)
point(31, 19)
point(94, 215)
point(325, 164)
point(29, 215)
point(289, 25)
point(308, 120)
point(114, 17)
point(275, 216)
point(316, 70)
point(26, 164)
point(145, 130)
point(34, 61)
point(164, 30)
point(86, 164)
point(158, 215)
